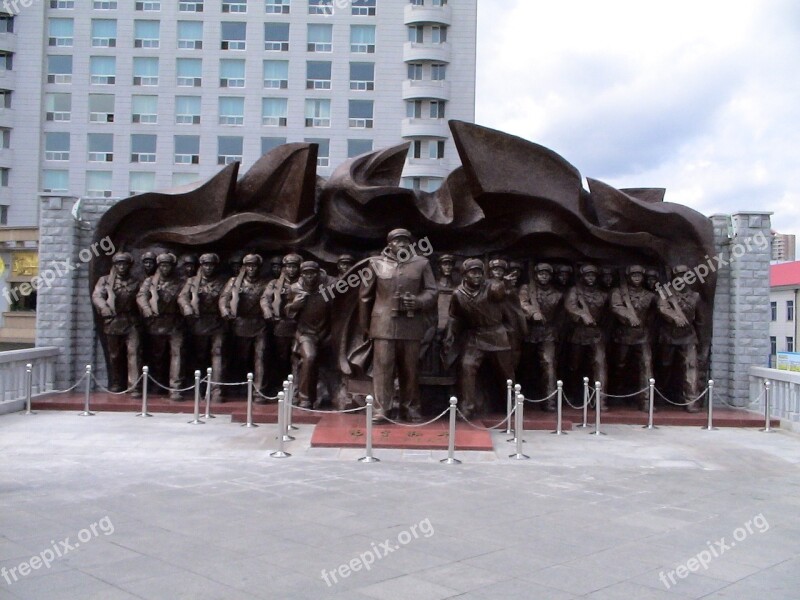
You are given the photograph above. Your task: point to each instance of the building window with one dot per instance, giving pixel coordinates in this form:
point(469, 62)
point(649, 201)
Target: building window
point(104, 4)
point(58, 107)
point(437, 109)
point(363, 8)
point(789, 343)
point(362, 76)
point(146, 34)
point(98, 184)
point(358, 147)
point(148, 5)
point(103, 70)
point(274, 112)
point(415, 34)
point(145, 71)
point(773, 309)
point(3, 214)
point(56, 146)
point(361, 114)
point(414, 109)
point(229, 149)
point(101, 147)
point(187, 110)
point(59, 69)
point(323, 151)
point(196, 6)
point(234, 6)
point(415, 150)
point(439, 34)
point(5, 175)
point(101, 108)
point(144, 109)
point(415, 71)
point(276, 7)
point(362, 38)
point(5, 98)
point(790, 310)
point(190, 35)
point(773, 344)
point(55, 181)
point(234, 36)
point(231, 111)
point(6, 61)
point(104, 33)
point(142, 182)
point(320, 38)
point(318, 113)
point(181, 179)
point(320, 7)
point(276, 37)
point(187, 149)
point(276, 74)
point(318, 75)
point(438, 2)
point(438, 71)
point(189, 72)
point(231, 73)
point(268, 144)
point(5, 137)
point(60, 33)
point(62, 4)
point(6, 23)
point(143, 148)
point(436, 149)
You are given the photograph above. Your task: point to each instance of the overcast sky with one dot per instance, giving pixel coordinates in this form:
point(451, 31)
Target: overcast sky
point(701, 97)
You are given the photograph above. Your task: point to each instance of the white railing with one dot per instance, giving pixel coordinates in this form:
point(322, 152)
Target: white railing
point(784, 393)
point(12, 375)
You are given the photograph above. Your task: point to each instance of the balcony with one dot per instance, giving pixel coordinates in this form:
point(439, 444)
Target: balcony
point(8, 42)
point(413, 52)
point(424, 128)
point(426, 167)
point(425, 88)
point(440, 15)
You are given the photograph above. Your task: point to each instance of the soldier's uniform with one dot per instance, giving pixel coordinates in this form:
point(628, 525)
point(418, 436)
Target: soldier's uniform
point(397, 333)
point(634, 303)
point(158, 303)
point(273, 303)
point(199, 302)
point(114, 297)
point(581, 301)
point(479, 316)
point(543, 309)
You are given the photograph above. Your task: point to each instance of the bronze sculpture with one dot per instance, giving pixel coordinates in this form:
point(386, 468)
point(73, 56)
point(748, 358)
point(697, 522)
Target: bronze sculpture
point(343, 264)
point(273, 304)
point(149, 263)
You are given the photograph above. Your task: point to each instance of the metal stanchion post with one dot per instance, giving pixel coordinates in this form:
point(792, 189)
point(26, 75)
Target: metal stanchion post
point(28, 388)
point(509, 404)
point(369, 458)
point(145, 377)
point(451, 436)
point(290, 404)
point(767, 410)
point(86, 412)
point(197, 420)
point(710, 425)
point(279, 453)
point(519, 429)
point(651, 409)
point(513, 440)
point(559, 408)
point(208, 414)
point(598, 398)
point(585, 423)
point(249, 422)
point(287, 398)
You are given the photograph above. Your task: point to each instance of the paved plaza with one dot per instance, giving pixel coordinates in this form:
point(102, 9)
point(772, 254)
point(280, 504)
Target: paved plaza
point(122, 508)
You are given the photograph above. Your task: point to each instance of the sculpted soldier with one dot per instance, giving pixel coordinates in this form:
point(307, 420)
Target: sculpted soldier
point(158, 303)
point(275, 267)
point(391, 307)
point(633, 305)
point(273, 305)
point(235, 263)
point(542, 304)
point(477, 315)
point(343, 264)
point(608, 278)
point(189, 266)
point(149, 263)
point(114, 297)
point(312, 313)
point(447, 280)
point(199, 302)
point(563, 277)
point(651, 279)
point(586, 306)
point(239, 303)
point(678, 335)
point(516, 323)
point(498, 268)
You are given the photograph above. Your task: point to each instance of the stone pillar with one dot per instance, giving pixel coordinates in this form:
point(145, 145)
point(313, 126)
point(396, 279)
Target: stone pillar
point(741, 310)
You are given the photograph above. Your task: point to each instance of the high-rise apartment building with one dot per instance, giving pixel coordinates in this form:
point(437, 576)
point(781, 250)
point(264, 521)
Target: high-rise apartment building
point(114, 97)
point(783, 247)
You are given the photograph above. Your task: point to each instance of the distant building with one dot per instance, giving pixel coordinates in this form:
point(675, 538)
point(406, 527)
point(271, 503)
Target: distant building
point(784, 281)
point(782, 247)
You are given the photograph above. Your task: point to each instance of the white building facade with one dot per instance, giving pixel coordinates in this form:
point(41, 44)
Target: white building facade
point(109, 98)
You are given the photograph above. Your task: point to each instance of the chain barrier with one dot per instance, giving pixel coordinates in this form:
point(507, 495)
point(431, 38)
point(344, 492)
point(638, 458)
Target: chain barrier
point(258, 392)
point(663, 397)
point(532, 401)
point(108, 391)
point(497, 427)
point(174, 390)
point(329, 412)
point(77, 383)
point(642, 391)
point(223, 383)
point(443, 413)
point(758, 399)
point(571, 405)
